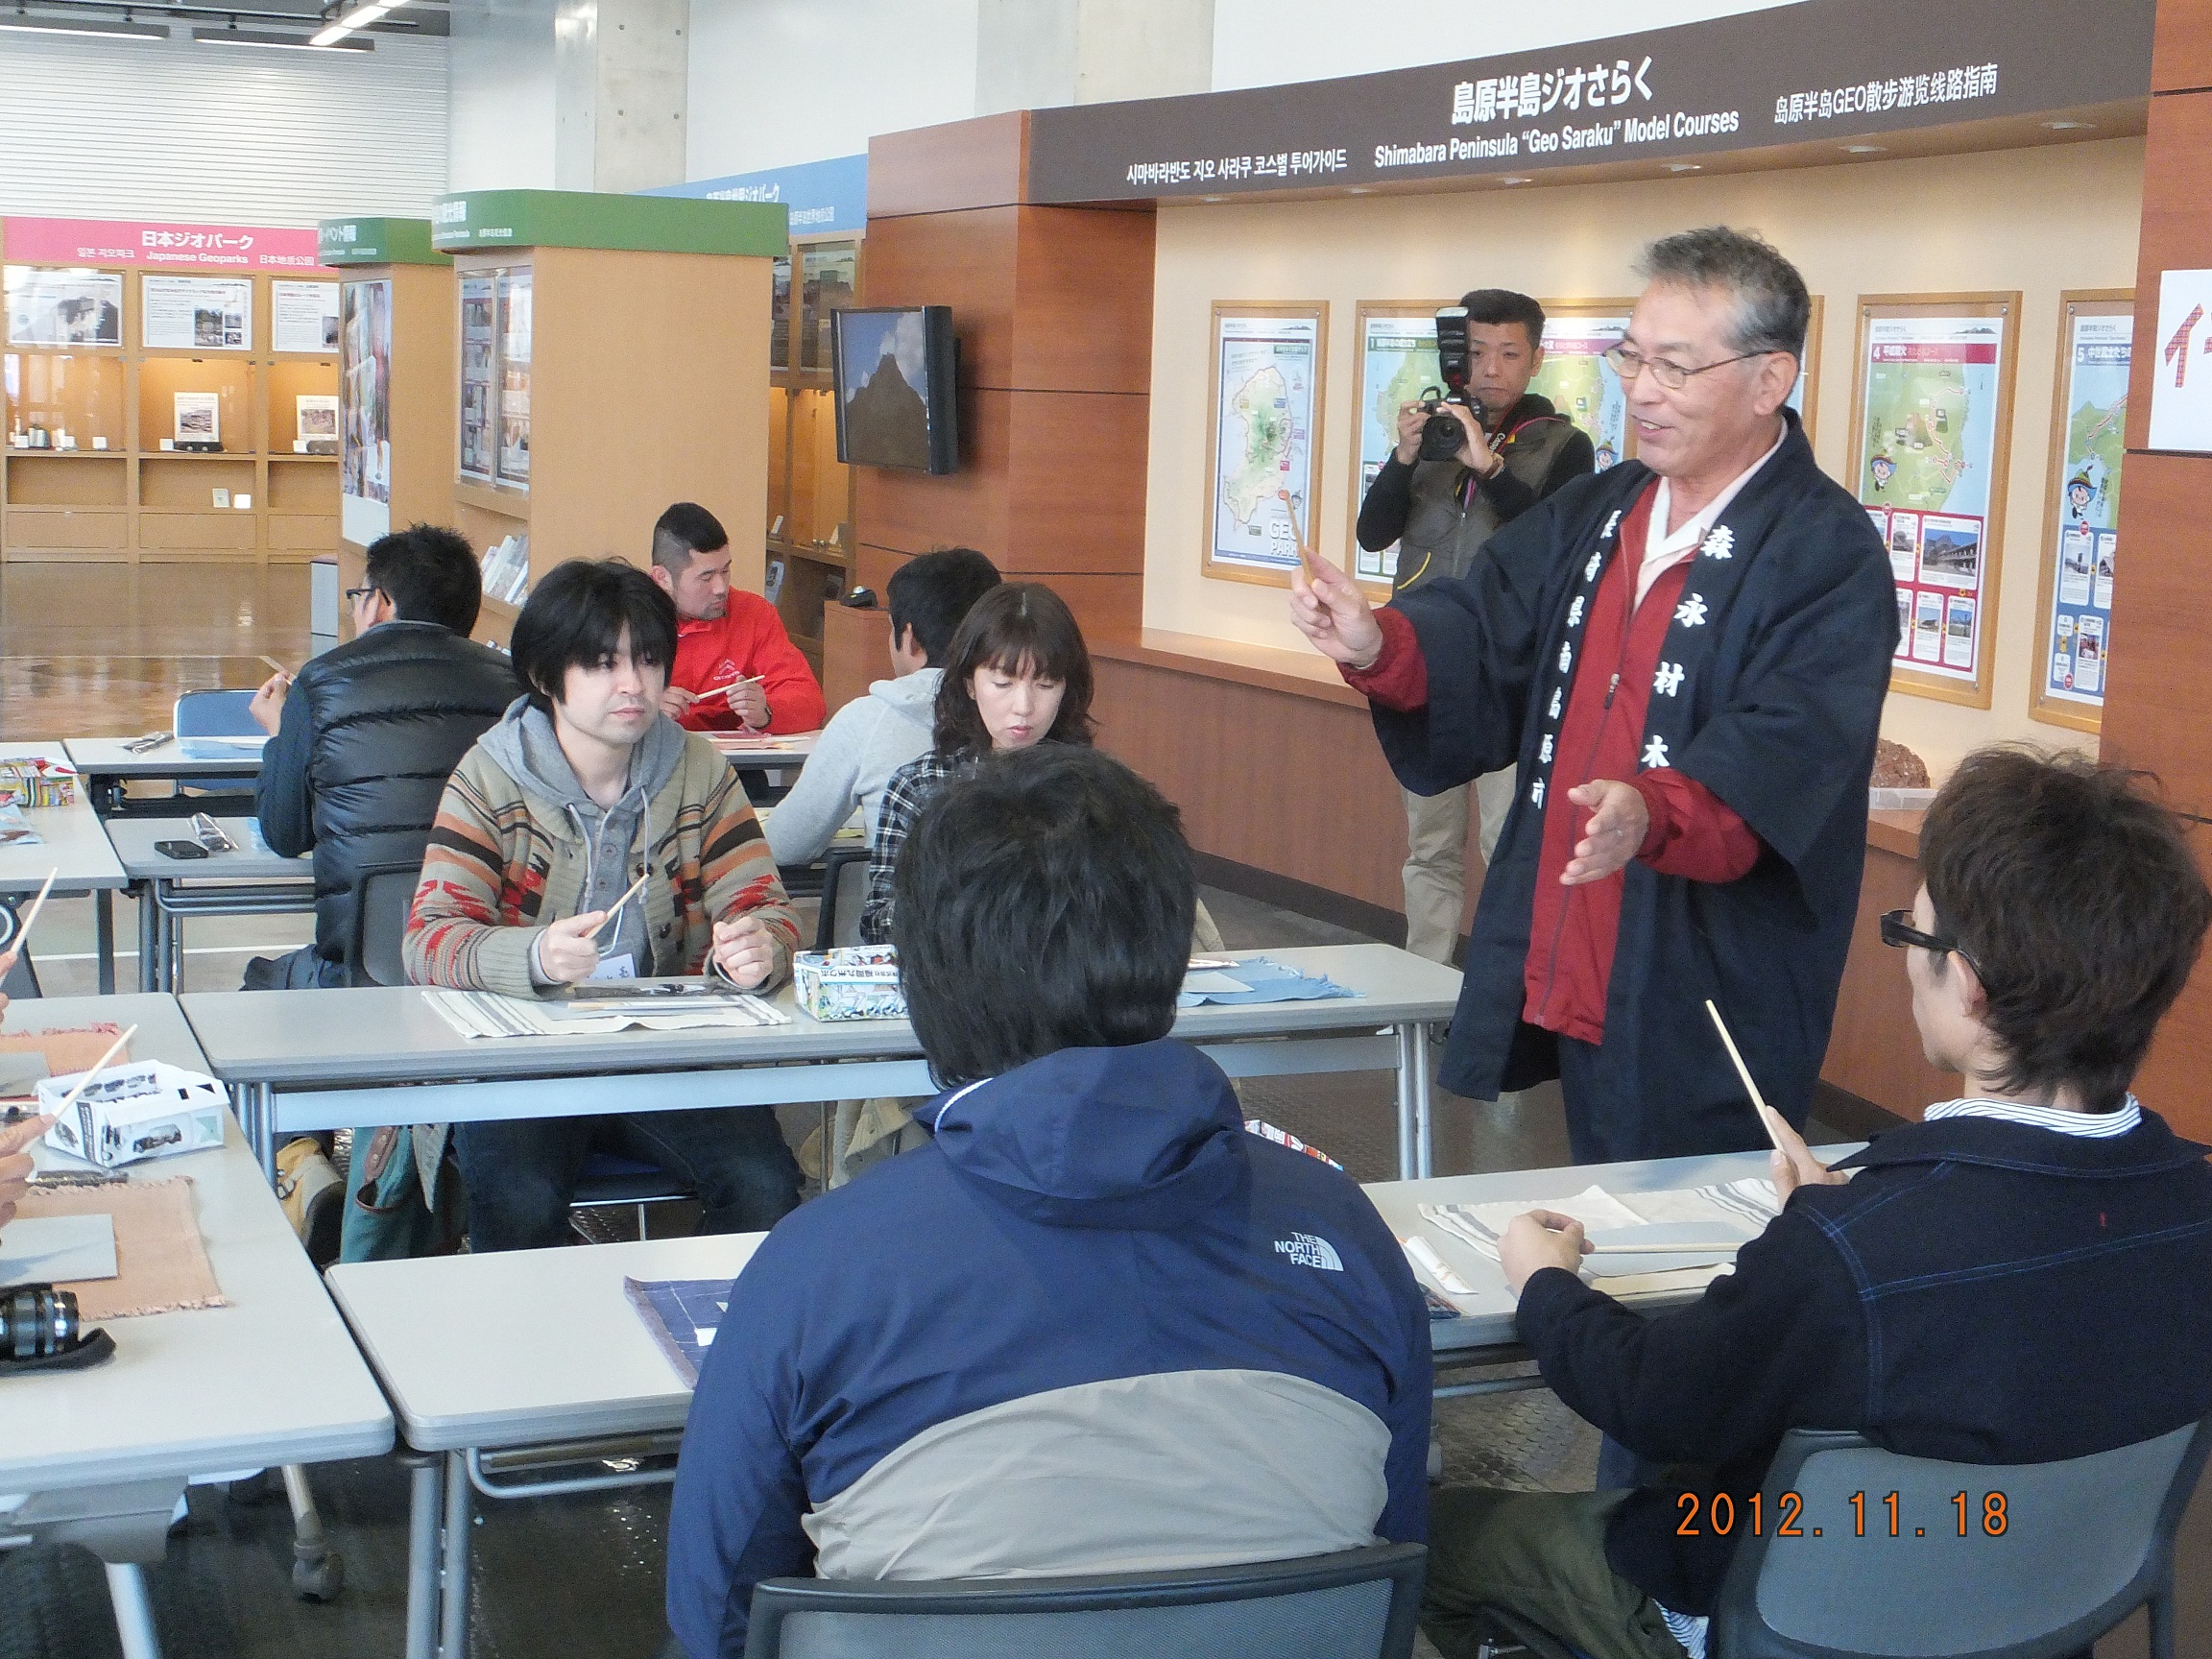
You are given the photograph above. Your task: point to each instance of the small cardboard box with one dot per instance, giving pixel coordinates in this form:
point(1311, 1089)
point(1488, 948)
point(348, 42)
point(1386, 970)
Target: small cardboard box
point(855, 982)
point(148, 1109)
point(37, 783)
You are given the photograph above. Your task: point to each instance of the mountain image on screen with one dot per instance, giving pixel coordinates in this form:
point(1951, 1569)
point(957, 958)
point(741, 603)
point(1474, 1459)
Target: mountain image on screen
point(886, 418)
point(886, 421)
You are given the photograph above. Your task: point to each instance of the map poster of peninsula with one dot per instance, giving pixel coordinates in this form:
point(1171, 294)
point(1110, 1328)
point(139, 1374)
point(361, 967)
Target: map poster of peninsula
point(1397, 365)
point(1931, 390)
point(1579, 382)
point(1267, 412)
point(2082, 540)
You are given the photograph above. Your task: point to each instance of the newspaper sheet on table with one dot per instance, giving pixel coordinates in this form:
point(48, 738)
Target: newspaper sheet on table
point(487, 1013)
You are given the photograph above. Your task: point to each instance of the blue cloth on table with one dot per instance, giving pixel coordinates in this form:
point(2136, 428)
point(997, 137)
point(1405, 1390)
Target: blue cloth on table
point(1270, 983)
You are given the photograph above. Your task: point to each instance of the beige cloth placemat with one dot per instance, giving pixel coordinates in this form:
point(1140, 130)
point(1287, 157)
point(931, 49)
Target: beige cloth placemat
point(67, 1051)
point(162, 1265)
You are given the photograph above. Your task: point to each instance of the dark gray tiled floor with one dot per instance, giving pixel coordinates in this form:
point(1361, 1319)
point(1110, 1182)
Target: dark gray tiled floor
point(581, 1577)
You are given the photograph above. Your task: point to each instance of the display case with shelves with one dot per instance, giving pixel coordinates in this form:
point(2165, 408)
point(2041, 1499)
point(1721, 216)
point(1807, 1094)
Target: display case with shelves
point(62, 401)
point(593, 381)
point(292, 421)
point(809, 489)
point(251, 498)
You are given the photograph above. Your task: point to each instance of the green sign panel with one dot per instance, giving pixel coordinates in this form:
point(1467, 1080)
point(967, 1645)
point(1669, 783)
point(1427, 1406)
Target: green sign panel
point(472, 220)
point(344, 242)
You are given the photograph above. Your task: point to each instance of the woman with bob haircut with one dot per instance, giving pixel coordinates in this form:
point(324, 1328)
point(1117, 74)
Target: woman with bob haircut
point(1016, 674)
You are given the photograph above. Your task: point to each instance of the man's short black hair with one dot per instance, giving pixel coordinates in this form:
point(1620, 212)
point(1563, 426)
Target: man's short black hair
point(1044, 903)
point(682, 533)
point(933, 592)
point(576, 616)
point(1496, 306)
point(429, 575)
point(2073, 895)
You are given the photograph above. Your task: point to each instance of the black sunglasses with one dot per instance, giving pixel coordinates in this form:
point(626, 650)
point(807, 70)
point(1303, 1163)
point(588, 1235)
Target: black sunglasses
point(1897, 929)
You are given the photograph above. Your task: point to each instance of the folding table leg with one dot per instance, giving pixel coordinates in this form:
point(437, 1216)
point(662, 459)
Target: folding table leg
point(134, 1614)
point(453, 1614)
point(425, 1505)
point(103, 937)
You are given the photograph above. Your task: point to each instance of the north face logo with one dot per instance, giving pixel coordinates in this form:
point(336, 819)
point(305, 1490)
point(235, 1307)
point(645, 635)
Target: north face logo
point(1309, 1251)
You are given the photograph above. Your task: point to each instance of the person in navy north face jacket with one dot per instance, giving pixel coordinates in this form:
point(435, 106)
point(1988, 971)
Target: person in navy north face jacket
point(1095, 1325)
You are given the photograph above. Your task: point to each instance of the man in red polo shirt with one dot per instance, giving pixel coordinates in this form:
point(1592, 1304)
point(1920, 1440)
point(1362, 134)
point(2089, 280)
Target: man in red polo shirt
point(1686, 657)
point(735, 668)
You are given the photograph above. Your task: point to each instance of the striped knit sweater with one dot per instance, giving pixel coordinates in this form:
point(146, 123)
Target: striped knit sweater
point(503, 861)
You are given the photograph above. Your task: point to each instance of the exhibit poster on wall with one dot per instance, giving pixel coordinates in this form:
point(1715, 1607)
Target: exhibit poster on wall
point(514, 377)
point(67, 307)
point(365, 410)
point(1265, 474)
point(479, 353)
point(1397, 365)
point(1931, 406)
point(302, 316)
point(1580, 384)
point(2088, 442)
point(196, 313)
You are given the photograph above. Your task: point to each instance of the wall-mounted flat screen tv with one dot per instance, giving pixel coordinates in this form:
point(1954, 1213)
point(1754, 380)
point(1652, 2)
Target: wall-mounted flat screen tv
point(895, 369)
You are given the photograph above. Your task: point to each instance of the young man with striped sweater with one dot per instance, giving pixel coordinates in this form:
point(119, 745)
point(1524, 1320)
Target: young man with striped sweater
point(583, 791)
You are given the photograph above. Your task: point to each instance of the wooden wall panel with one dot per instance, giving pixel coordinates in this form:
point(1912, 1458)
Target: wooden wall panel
point(2177, 230)
point(966, 260)
point(980, 163)
point(2157, 702)
point(1085, 323)
point(2172, 1080)
point(856, 652)
point(2182, 49)
point(1242, 763)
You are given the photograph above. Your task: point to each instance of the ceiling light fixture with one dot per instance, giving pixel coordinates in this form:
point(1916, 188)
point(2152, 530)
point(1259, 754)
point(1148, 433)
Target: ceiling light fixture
point(359, 18)
point(1684, 167)
point(1865, 150)
point(1514, 181)
point(236, 37)
point(23, 22)
point(2069, 126)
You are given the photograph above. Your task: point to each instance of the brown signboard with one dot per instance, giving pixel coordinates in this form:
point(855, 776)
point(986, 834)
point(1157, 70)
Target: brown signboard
point(1833, 69)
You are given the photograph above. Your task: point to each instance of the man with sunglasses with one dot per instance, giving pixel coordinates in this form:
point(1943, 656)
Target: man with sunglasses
point(2022, 1276)
point(1686, 657)
point(362, 741)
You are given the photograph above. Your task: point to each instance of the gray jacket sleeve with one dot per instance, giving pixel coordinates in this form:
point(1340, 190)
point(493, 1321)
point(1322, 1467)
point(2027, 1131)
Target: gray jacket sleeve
point(805, 821)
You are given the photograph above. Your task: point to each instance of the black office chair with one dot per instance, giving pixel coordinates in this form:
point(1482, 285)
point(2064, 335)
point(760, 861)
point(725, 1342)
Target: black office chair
point(844, 890)
point(2080, 1545)
point(1356, 1605)
point(382, 895)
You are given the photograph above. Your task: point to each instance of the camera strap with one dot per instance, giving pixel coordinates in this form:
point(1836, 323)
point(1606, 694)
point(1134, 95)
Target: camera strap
point(92, 1348)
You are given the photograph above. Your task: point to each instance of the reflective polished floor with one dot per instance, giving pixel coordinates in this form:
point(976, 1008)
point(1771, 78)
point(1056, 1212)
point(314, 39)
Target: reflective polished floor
point(94, 650)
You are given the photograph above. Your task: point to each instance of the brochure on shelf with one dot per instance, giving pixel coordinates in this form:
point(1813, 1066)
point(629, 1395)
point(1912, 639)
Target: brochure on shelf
point(198, 418)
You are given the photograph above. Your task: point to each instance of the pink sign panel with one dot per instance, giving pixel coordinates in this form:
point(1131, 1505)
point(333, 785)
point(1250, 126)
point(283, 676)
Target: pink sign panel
point(156, 242)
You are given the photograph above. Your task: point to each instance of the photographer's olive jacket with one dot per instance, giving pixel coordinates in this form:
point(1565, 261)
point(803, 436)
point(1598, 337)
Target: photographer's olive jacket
point(1440, 515)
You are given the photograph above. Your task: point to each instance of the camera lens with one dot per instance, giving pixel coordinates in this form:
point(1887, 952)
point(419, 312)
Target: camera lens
point(35, 1321)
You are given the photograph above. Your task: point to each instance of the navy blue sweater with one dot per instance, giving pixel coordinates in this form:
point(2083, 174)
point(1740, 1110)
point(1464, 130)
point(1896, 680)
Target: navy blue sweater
point(1981, 1291)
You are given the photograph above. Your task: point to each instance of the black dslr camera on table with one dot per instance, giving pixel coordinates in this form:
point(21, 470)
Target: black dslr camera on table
point(1443, 435)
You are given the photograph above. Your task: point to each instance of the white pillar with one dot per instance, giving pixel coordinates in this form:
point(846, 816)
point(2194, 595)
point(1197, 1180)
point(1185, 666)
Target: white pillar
point(1042, 54)
point(621, 74)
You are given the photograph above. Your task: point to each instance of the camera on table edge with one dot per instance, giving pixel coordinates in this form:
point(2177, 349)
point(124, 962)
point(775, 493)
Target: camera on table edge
point(1442, 435)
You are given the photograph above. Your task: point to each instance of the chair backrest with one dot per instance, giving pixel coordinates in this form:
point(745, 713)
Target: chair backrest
point(382, 895)
point(2052, 1556)
point(215, 714)
point(844, 892)
point(1356, 1605)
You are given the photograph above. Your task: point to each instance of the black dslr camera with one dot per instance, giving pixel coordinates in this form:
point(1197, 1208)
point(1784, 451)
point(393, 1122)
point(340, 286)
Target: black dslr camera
point(1442, 435)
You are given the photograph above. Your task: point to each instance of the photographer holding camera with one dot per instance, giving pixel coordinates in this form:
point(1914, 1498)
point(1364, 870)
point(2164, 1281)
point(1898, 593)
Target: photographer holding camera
point(1465, 464)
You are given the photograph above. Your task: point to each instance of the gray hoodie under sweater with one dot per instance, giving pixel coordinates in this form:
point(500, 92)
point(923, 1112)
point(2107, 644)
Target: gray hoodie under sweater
point(616, 838)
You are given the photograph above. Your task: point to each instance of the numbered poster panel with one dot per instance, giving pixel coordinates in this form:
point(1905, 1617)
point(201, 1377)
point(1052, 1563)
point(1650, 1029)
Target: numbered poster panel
point(1397, 365)
point(1932, 398)
point(1266, 408)
point(515, 291)
point(2082, 541)
point(479, 353)
point(365, 410)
